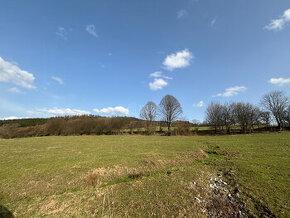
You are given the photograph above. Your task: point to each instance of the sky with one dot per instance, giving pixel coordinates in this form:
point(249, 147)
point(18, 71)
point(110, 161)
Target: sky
point(109, 58)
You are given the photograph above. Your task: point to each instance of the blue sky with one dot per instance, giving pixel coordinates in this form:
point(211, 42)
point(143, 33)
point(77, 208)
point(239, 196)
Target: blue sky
point(110, 57)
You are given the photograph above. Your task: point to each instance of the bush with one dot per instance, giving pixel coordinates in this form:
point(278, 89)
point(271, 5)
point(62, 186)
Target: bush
point(182, 128)
point(55, 126)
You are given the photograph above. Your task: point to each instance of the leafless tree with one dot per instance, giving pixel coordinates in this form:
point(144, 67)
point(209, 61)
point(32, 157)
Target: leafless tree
point(149, 114)
point(245, 114)
point(227, 117)
point(254, 117)
point(276, 102)
point(214, 115)
point(170, 110)
point(265, 118)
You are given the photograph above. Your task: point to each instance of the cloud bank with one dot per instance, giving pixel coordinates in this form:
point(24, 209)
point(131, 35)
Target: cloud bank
point(62, 112)
point(12, 118)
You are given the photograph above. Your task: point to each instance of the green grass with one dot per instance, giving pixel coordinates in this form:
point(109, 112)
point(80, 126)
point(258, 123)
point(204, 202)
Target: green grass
point(261, 167)
point(119, 176)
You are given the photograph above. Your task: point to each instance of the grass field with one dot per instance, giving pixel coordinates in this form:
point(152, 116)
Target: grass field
point(141, 176)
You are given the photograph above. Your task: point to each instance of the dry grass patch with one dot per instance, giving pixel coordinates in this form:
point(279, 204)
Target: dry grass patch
point(92, 179)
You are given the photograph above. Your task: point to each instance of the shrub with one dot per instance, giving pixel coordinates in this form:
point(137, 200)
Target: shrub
point(182, 128)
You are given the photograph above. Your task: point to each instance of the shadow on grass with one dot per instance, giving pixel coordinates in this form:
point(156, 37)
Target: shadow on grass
point(5, 213)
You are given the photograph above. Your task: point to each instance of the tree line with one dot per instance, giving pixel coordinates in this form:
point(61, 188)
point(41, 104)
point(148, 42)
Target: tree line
point(274, 106)
point(225, 118)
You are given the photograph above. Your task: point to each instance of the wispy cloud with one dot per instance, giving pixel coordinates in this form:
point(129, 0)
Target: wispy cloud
point(60, 112)
point(181, 13)
point(157, 84)
point(62, 33)
point(199, 104)
point(15, 90)
point(159, 74)
point(212, 23)
point(279, 81)
point(11, 73)
point(57, 79)
point(91, 29)
point(279, 23)
point(113, 110)
point(179, 59)
point(232, 91)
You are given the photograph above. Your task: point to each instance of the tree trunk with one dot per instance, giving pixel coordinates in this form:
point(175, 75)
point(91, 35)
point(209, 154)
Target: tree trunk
point(169, 128)
point(228, 130)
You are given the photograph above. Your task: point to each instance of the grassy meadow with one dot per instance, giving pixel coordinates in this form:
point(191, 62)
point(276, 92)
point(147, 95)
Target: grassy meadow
point(144, 176)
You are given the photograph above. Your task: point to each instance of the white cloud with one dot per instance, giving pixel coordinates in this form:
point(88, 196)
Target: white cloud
point(279, 24)
point(57, 79)
point(61, 112)
point(180, 59)
point(91, 29)
point(157, 84)
point(11, 73)
point(279, 81)
point(181, 13)
point(15, 90)
point(159, 74)
point(62, 33)
point(232, 91)
point(199, 104)
point(156, 74)
point(113, 110)
point(12, 118)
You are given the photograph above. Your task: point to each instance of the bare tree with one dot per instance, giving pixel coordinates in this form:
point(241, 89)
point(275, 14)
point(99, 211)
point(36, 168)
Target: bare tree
point(254, 117)
point(170, 110)
point(214, 115)
point(244, 115)
point(276, 102)
point(227, 117)
point(265, 118)
point(149, 114)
